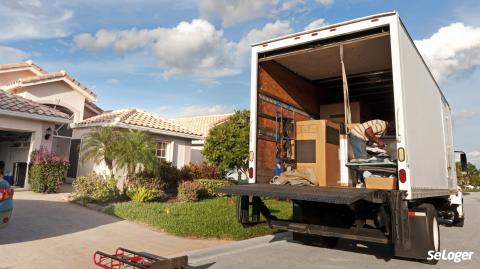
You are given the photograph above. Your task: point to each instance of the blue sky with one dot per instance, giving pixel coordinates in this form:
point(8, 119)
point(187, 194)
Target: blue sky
point(186, 57)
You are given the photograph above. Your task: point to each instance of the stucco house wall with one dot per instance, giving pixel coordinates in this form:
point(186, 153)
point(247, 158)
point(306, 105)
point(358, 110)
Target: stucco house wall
point(9, 77)
point(57, 93)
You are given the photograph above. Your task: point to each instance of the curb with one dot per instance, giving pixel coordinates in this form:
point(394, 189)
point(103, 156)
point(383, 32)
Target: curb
point(200, 256)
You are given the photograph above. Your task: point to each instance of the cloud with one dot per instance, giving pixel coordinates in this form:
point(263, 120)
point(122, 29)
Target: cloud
point(193, 48)
point(464, 115)
point(113, 81)
point(12, 55)
point(33, 19)
point(451, 49)
point(316, 24)
point(233, 12)
point(325, 2)
point(474, 157)
point(192, 110)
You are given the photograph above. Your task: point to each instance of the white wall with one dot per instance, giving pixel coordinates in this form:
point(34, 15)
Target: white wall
point(9, 77)
point(57, 93)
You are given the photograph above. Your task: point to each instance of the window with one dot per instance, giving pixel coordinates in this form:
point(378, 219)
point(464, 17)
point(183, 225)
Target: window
point(162, 150)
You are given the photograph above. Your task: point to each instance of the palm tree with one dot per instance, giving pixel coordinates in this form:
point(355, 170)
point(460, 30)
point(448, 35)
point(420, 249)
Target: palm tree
point(99, 145)
point(136, 148)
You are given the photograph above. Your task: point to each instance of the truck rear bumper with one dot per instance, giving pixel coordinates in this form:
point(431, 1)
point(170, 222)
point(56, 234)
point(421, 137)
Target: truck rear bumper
point(332, 195)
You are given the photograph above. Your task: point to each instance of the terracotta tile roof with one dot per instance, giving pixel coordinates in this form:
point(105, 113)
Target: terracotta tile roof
point(92, 106)
point(47, 76)
point(132, 117)
point(22, 64)
point(16, 103)
point(202, 124)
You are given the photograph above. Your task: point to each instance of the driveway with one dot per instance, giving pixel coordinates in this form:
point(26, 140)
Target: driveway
point(279, 252)
point(47, 232)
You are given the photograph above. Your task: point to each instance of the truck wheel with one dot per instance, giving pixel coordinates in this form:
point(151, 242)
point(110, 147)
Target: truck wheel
point(433, 231)
point(315, 240)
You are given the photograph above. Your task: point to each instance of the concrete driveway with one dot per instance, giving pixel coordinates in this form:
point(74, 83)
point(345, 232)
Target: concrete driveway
point(47, 232)
point(279, 252)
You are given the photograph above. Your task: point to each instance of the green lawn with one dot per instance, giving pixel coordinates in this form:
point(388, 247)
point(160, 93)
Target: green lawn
point(211, 218)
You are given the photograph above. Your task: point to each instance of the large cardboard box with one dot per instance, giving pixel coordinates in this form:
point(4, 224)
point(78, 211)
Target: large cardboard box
point(381, 183)
point(317, 149)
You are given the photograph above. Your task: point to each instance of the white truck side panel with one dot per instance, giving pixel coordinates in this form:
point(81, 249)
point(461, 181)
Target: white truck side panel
point(423, 111)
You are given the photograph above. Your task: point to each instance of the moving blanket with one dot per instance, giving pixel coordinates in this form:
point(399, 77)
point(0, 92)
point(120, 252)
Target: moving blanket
point(295, 177)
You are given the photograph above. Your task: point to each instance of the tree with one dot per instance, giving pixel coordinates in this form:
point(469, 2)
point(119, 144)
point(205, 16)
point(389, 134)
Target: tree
point(227, 144)
point(120, 148)
point(99, 145)
point(469, 177)
point(134, 148)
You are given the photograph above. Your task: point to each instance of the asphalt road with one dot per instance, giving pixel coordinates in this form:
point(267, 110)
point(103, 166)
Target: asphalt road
point(279, 252)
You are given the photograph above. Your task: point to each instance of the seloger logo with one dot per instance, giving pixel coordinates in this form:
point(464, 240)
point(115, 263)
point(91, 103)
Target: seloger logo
point(455, 256)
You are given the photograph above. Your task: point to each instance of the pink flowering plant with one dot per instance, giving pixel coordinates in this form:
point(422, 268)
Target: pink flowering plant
point(47, 171)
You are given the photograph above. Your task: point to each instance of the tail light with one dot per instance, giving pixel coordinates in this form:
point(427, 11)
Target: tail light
point(402, 175)
point(6, 193)
point(250, 172)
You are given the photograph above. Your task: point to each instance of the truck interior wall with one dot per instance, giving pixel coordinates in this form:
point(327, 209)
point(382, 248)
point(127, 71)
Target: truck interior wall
point(287, 87)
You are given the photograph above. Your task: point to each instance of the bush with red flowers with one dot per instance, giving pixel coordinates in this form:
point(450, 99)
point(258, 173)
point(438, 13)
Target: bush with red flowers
point(47, 171)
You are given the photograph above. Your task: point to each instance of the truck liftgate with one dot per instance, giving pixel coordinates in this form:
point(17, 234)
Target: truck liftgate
point(250, 207)
point(307, 193)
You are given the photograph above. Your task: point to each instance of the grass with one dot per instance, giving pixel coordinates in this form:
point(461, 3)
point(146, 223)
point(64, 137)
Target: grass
point(211, 218)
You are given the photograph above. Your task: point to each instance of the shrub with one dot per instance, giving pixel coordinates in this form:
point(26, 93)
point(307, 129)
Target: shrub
point(167, 173)
point(95, 188)
point(191, 191)
point(144, 180)
point(141, 194)
point(202, 170)
point(211, 184)
point(47, 171)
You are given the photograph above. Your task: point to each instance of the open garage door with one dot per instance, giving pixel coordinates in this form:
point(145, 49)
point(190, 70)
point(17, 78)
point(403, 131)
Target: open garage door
point(14, 150)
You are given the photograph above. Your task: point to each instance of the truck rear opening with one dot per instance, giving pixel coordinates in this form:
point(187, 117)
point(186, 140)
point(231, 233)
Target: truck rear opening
point(306, 82)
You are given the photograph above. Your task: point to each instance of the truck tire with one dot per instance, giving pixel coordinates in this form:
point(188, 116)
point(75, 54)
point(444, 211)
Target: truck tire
point(315, 240)
point(433, 231)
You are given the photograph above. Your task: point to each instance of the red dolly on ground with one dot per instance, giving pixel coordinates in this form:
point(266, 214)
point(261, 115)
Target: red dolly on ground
point(124, 258)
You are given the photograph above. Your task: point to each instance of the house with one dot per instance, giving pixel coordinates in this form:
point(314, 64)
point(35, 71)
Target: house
point(201, 125)
point(55, 111)
point(172, 140)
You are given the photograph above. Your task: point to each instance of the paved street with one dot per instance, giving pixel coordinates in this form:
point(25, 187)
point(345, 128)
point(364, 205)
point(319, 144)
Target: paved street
point(47, 232)
point(278, 253)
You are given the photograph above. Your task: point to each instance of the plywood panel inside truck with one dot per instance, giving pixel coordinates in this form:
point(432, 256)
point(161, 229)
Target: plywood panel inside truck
point(324, 136)
point(284, 85)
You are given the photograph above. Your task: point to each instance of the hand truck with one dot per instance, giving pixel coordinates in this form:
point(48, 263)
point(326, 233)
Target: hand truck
point(124, 258)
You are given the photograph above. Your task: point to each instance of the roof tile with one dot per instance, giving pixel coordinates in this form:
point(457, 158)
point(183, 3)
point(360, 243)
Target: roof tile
point(202, 124)
point(16, 103)
point(135, 117)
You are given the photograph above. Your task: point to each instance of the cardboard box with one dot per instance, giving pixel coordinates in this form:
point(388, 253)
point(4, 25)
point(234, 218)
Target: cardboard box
point(381, 183)
point(316, 150)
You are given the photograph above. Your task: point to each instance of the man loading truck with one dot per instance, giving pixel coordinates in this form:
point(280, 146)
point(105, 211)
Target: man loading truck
point(370, 131)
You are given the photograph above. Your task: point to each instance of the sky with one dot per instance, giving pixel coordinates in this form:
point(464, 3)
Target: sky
point(191, 57)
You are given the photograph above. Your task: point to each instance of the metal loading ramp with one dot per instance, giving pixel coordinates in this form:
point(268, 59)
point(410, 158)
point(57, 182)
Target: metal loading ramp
point(334, 195)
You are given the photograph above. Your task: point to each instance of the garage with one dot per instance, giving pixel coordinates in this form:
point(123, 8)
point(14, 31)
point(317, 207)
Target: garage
point(14, 151)
point(26, 126)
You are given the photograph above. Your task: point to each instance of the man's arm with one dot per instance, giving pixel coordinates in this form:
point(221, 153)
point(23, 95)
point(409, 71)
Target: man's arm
point(372, 137)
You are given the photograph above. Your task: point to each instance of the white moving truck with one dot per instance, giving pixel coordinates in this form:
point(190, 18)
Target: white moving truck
point(351, 72)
